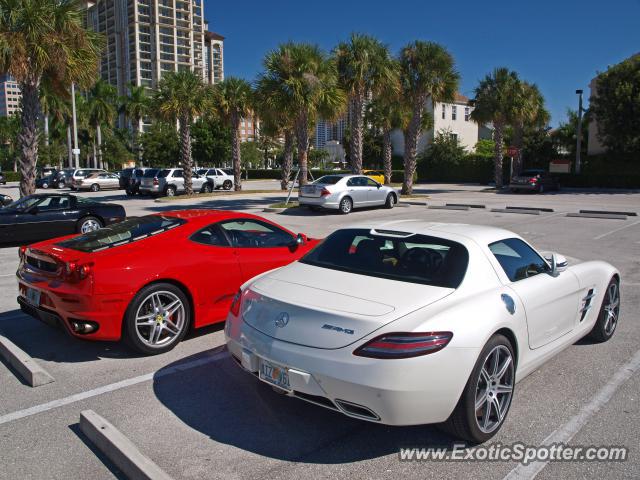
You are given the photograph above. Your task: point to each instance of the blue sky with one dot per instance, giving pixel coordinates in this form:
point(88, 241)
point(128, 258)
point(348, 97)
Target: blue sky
point(560, 45)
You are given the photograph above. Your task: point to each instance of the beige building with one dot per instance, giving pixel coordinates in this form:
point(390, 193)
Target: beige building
point(147, 38)
point(10, 96)
point(454, 118)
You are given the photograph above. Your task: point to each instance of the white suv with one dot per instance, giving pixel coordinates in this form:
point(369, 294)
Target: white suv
point(170, 181)
point(218, 177)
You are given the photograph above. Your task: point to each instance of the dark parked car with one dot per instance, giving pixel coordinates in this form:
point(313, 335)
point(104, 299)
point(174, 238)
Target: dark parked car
point(3, 180)
point(130, 179)
point(534, 180)
point(42, 216)
point(5, 200)
point(46, 182)
point(60, 177)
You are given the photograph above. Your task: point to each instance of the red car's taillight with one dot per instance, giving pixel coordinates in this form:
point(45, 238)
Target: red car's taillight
point(325, 192)
point(75, 272)
point(404, 345)
point(22, 251)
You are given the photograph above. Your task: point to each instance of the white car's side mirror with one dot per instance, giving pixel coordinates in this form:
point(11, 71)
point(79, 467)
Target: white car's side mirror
point(558, 264)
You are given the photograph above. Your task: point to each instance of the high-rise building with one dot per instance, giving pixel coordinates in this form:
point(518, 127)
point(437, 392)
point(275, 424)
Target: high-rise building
point(213, 57)
point(249, 128)
point(10, 96)
point(148, 38)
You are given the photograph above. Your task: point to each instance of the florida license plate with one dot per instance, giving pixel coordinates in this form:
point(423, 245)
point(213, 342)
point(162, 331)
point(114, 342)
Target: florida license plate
point(274, 374)
point(33, 296)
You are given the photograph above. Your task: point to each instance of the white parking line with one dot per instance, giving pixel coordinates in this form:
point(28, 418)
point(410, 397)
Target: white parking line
point(616, 230)
point(565, 433)
point(27, 412)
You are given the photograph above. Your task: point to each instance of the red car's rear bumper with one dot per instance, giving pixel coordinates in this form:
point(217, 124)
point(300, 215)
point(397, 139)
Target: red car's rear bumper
point(66, 308)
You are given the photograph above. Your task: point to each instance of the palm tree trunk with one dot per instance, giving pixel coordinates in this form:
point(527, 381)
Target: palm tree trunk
point(69, 147)
point(46, 129)
point(136, 140)
point(99, 138)
point(387, 153)
point(302, 134)
point(411, 145)
point(28, 137)
point(357, 133)
point(185, 154)
point(518, 140)
point(497, 167)
point(236, 156)
point(94, 163)
point(287, 161)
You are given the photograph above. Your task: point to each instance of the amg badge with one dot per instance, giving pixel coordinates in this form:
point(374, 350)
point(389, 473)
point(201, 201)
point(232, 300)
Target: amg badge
point(348, 331)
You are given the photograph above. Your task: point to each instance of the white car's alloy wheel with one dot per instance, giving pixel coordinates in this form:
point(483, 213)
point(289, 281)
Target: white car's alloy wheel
point(611, 309)
point(494, 389)
point(346, 204)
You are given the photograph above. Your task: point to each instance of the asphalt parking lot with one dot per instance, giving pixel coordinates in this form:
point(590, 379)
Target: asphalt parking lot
point(194, 413)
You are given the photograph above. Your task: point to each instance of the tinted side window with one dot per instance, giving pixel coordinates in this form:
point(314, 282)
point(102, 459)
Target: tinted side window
point(210, 235)
point(255, 234)
point(177, 174)
point(518, 260)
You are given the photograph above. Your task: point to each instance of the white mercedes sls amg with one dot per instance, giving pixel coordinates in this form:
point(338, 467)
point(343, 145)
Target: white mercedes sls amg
point(410, 322)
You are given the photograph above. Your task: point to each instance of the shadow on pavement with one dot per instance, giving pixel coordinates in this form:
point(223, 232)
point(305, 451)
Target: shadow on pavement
point(51, 344)
point(234, 408)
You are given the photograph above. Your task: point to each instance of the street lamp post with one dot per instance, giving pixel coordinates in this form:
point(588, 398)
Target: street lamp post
point(579, 132)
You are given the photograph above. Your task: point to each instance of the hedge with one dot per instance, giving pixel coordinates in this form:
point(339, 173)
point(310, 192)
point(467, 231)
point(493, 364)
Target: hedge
point(12, 176)
point(397, 176)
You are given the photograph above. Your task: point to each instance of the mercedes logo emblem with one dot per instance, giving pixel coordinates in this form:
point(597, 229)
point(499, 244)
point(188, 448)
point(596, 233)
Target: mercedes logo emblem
point(282, 320)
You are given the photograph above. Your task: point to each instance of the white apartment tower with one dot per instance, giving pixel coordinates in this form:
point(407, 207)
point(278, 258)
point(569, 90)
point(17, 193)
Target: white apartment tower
point(147, 38)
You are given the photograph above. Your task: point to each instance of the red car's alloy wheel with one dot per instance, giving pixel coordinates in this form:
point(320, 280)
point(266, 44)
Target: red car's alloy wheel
point(160, 319)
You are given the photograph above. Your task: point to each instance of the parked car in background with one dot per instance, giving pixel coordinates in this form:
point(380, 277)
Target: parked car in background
point(376, 175)
point(47, 215)
point(170, 182)
point(218, 177)
point(80, 173)
point(46, 181)
point(346, 192)
point(60, 177)
point(5, 200)
point(161, 296)
point(534, 180)
point(130, 179)
point(46, 171)
point(98, 181)
point(3, 180)
point(412, 322)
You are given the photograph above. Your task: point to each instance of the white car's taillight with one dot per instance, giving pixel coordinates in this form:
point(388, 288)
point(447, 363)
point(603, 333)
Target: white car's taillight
point(404, 345)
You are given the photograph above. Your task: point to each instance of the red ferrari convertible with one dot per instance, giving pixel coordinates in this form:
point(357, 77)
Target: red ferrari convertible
point(148, 279)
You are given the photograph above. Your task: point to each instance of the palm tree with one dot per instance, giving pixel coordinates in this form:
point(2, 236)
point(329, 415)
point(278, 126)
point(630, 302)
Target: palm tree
point(364, 68)
point(55, 110)
point(44, 39)
point(310, 80)
point(495, 102)
point(529, 112)
point(427, 74)
point(102, 110)
point(136, 106)
point(233, 100)
point(275, 106)
point(181, 97)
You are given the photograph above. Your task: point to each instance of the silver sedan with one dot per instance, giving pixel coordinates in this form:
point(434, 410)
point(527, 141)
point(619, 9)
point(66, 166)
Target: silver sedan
point(98, 181)
point(346, 192)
